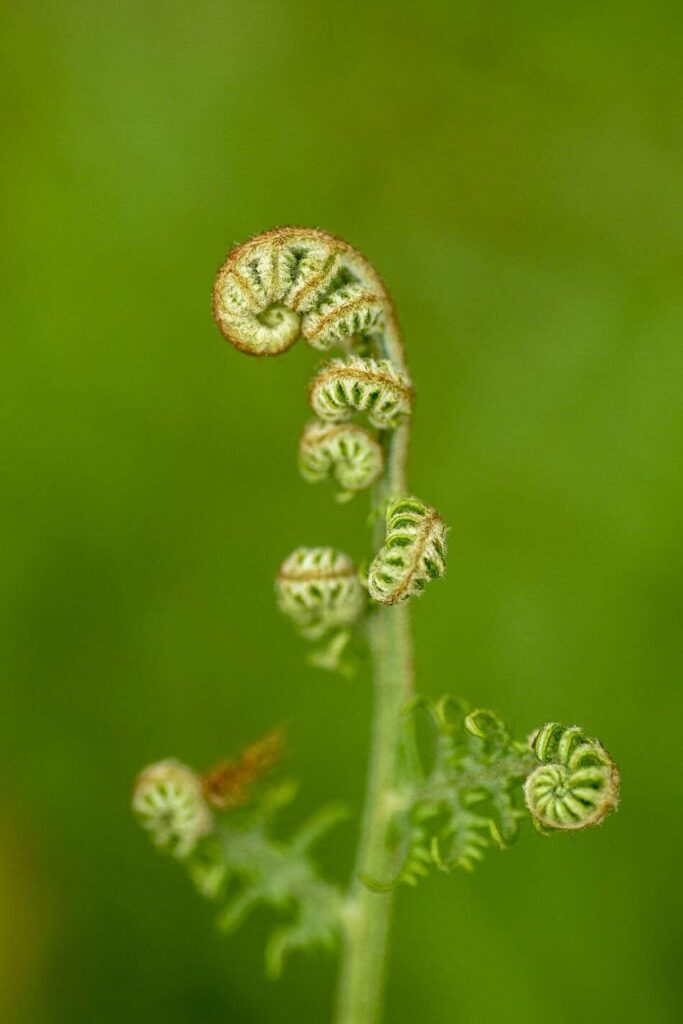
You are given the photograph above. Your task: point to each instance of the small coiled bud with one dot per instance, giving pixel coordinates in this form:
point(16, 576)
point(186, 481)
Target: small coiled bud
point(319, 589)
point(297, 282)
point(577, 783)
point(347, 452)
point(345, 386)
point(168, 800)
point(414, 552)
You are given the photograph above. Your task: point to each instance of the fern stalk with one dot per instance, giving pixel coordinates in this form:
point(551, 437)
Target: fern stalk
point(369, 913)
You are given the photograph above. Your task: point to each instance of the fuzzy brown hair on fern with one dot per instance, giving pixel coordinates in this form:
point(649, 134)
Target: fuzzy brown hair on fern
point(291, 283)
point(346, 386)
point(414, 552)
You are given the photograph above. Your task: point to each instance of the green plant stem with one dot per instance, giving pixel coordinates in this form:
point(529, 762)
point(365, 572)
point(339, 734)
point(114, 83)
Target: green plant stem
point(368, 913)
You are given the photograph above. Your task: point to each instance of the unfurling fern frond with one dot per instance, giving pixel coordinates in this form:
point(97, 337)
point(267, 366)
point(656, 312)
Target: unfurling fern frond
point(169, 802)
point(483, 767)
point(470, 794)
point(298, 282)
point(346, 386)
point(347, 452)
point(319, 589)
point(232, 857)
point(414, 552)
point(577, 783)
point(437, 806)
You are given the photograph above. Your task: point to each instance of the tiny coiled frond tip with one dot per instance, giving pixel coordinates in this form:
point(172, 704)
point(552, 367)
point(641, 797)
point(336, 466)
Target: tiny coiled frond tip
point(575, 785)
point(345, 451)
point(346, 386)
point(297, 282)
point(169, 802)
point(414, 552)
point(320, 590)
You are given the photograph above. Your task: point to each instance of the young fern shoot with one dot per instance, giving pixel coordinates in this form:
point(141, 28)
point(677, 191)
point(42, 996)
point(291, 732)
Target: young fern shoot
point(441, 808)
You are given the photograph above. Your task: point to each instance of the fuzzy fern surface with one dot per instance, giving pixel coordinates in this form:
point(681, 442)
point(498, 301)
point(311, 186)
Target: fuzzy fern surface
point(439, 804)
point(347, 452)
point(370, 386)
point(297, 282)
point(414, 552)
point(320, 590)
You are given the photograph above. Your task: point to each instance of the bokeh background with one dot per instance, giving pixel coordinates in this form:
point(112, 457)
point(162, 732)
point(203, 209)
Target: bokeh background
point(515, 171)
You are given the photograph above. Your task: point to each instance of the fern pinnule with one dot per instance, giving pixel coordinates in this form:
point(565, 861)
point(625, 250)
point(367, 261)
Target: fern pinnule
point(345, 451)
point(320, 590)
point(346, 386)
point(414, 552)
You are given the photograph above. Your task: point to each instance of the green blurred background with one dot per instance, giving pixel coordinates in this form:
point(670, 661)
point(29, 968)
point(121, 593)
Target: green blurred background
point(515, 172)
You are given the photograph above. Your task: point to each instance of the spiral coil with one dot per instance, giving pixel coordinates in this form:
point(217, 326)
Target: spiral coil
point(319, 589)
point(298, 282)
point(414, 552)
point(346, 386)
point(347, 452)
point(576, 784)
point(169, 802)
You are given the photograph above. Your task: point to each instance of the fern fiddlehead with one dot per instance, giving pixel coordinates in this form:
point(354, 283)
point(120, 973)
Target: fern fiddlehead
point(319, 589)
point(344, 387)
point(414, 552)
point(290, 283)
point(345, 451)
point(169, 802)
point(576, 784)
point(471, 795)
point(283, 285)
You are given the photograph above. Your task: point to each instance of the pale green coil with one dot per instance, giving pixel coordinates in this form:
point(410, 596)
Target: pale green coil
point(414, 552)
point(169, 802)
point(374, 387)
point(344, 451)
point(576, 784)
point(319, 589)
